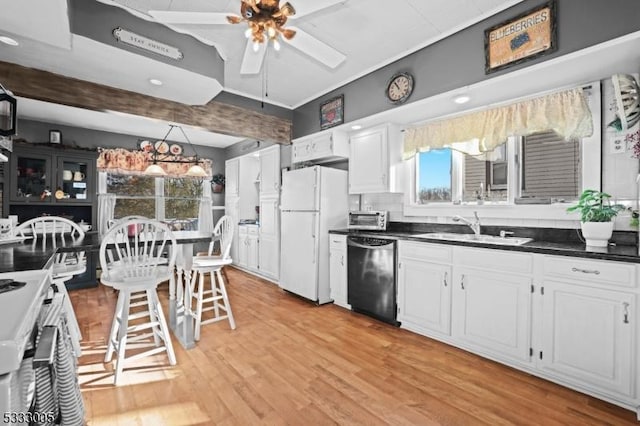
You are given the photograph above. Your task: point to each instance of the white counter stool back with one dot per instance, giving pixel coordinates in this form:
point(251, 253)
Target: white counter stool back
point(212, 264)
point(140, 267)
point(50, 231)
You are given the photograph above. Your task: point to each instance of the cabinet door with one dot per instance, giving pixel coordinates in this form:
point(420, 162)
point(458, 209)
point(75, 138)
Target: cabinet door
point(270, 172)
point(76, 179)
point(588, 336)
point(338, 273)
point(31, 177)
point(231, 209)
point(424, 295)
point(301, 151)
point(232, 170)
point(492, 312)
point(369, 162)
point(269, 218)
point(252, 252)
point(269, 257)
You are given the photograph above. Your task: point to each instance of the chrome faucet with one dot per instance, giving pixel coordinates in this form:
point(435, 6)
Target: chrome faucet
point(475, 226)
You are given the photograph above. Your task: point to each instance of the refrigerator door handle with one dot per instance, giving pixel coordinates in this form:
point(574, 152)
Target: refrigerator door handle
point(313, 235)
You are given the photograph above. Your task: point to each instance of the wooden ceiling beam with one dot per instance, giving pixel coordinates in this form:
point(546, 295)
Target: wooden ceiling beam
point(215, 116)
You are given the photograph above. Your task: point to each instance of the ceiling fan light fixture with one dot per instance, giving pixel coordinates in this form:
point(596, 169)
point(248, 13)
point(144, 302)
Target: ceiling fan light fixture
point(287, 33)
point(287, 9)
point(276, 45)
point(234, 19)
point(248, 32)
point(256, 45)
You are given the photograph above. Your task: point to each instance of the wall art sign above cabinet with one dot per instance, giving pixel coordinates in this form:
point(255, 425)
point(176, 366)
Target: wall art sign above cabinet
point(527, 36)
point(332, 112)
point(150, 45)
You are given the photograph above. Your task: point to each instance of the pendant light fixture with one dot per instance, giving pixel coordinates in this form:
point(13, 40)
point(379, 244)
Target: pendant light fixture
point(8, 116)
point(154, 169)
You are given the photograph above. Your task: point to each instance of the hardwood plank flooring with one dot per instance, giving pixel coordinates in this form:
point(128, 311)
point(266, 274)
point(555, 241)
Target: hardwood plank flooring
point(290, 362)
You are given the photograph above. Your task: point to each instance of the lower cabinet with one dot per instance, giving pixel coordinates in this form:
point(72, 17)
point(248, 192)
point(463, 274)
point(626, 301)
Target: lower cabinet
point(269, 257)
point(570, 320)
point(492, 312)
point(248, 246)
point(588, 336)
point(424, 295)
point(338, 269)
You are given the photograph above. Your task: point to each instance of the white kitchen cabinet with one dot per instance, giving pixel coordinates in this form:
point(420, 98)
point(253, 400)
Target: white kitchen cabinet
point(588, 336)
point(270, 172)
point(492, 311)
point(231, 209)
point(269, 241)
point(374, 155)
point(338, 269)
point(248, 246)
point(424, 287)
point(324, 146)
point(232, 178)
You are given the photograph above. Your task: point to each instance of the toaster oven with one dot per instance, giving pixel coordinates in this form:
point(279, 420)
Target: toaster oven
point(373, 220)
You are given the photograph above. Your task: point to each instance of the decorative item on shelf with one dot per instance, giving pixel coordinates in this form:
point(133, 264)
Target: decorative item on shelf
point(59, 194)
point(160, 152)
point(596, 216)
point(67, 175)
point(8, 114)
point(55, 136)
point(217, 183)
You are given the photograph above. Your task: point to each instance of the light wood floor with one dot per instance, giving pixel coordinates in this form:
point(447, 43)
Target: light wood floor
point(291, 362)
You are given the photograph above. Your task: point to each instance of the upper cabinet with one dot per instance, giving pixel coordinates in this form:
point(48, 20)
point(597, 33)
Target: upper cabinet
point(324, 146)
point(270, 171)
point(232, 169)
point(374, 155)
point(51, 175)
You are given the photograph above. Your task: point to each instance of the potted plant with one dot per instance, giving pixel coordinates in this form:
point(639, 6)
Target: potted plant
point(217, 183)
point(596, 216)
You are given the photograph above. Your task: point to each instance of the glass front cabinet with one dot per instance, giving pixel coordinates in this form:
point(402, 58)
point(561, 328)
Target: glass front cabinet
point(44, 175)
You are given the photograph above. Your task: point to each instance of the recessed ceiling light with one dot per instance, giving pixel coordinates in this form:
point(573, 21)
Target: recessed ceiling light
point(462, 99)
point(8, 40)
point(356, 127)
point(155, 82)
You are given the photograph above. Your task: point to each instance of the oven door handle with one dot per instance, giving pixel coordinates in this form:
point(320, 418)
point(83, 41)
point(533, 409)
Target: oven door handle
point(389, 246)
point(45, 352)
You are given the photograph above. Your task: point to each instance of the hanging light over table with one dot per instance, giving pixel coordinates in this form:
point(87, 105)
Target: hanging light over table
point(196, 170)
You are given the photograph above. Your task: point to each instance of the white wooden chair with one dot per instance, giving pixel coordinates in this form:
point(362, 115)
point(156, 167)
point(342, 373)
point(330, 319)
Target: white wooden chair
point(53, 231)
point(212, 265)
point(140, 267)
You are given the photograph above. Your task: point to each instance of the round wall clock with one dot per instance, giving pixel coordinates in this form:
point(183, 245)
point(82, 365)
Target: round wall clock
point(399, 87)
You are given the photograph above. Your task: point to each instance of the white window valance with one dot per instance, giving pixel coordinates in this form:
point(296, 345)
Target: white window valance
point(566, 112)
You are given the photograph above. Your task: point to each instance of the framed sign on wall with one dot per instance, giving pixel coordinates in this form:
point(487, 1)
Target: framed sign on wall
point(526, 36)
point(332, 112)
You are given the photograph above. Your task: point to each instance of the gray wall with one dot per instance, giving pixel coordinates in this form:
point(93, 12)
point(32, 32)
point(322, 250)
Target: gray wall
point(36, 131)
point(458, 60)
point(96, 21)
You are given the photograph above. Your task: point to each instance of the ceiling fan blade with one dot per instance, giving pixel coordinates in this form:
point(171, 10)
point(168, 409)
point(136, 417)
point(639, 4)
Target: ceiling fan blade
point(252, 60)
point(304, 8)
point(176, 17)
point(316, 49)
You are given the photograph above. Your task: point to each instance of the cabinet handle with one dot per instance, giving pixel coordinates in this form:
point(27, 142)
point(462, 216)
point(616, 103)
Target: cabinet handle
point(342, 260)
point(625, 307)
point(462, 282)
point(586, 271)
point(445, 278)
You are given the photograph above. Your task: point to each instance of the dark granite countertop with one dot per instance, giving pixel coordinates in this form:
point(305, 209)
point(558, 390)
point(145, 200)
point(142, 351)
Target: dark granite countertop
point(560, 242)
point(27, 255)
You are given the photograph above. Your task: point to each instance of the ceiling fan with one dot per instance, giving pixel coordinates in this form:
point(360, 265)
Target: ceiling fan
point(266, 21)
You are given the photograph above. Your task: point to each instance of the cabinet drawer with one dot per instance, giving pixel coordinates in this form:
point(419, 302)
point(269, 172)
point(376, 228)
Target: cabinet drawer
point(424, 251)
point(252, 230)
point(596, 271)
point(337, 242)
point(498, 260)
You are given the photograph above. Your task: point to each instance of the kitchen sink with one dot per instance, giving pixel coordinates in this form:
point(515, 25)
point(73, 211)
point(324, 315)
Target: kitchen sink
point(489, 239)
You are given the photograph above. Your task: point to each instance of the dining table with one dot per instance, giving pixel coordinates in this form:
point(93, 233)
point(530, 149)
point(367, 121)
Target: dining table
point(39, 254)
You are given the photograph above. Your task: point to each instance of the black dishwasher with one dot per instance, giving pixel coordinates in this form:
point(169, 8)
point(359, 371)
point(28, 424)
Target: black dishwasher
point(371, 277)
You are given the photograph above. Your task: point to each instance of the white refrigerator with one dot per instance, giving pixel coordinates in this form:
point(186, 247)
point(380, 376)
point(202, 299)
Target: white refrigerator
point(314, 200)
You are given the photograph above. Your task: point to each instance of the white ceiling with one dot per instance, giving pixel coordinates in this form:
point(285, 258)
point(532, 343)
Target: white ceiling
point(371, 34)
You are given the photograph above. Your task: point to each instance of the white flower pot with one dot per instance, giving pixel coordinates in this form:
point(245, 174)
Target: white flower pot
point(597, 234)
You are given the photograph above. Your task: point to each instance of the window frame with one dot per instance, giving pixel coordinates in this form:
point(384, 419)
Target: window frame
point(591, 169)
point(159, 196)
